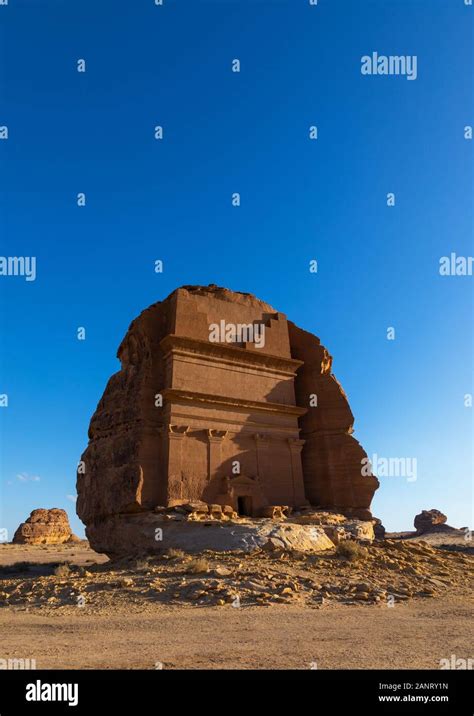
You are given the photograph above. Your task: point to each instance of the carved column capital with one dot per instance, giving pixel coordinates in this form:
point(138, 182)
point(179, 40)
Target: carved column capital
point(177, 431)
point(216, 436)
point(262, 440)
point(296, 444)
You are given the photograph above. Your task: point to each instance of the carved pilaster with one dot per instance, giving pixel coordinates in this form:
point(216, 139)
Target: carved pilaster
point(262, 443)
point(214, 460)
point(295, 446)
point(176, 435)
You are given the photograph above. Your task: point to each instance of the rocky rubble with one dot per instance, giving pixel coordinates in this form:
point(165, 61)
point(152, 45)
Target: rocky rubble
point(384, 573)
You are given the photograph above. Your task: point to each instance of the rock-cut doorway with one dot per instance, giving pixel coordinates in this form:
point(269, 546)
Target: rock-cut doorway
point(244, 505)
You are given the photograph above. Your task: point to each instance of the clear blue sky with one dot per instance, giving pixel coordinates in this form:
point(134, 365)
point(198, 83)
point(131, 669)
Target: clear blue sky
point(171, 200)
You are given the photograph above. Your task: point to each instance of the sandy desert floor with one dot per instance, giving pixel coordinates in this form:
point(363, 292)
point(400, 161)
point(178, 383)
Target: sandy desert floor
point(404, 604)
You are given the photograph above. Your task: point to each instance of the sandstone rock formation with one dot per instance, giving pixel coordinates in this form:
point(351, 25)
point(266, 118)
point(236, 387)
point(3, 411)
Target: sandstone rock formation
point(214, 402)
point(45, 527)
point(336, 526)
point(429, 520)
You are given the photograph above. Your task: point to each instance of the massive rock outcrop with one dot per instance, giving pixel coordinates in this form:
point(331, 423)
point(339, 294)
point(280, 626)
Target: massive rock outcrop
point(220, 399)
point(45, 527)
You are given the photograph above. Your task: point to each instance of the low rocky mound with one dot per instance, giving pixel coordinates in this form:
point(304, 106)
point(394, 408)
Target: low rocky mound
point(45, 527)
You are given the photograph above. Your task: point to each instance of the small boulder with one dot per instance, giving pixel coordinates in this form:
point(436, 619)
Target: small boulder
point(188, 507)
point(275, 512)
point(222, 572)
point(229, 512)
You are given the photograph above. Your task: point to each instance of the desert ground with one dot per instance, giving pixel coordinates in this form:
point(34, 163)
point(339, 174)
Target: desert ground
point(401, 603)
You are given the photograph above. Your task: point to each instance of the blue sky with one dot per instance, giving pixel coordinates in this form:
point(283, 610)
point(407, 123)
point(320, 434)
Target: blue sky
point(301, 199)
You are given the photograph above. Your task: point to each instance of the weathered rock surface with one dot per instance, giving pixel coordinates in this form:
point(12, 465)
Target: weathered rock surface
point(185, 408)
point(429, 520)
point(148, 533)
point(318, 517)
point(45, 527)
point(336, 526)
point(362, 531)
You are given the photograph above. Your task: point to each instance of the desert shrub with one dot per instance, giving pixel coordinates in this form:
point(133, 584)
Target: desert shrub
point(351, 551)
point(62, 570)
point(198, 565)
point(142, 563)
point(173, 553)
